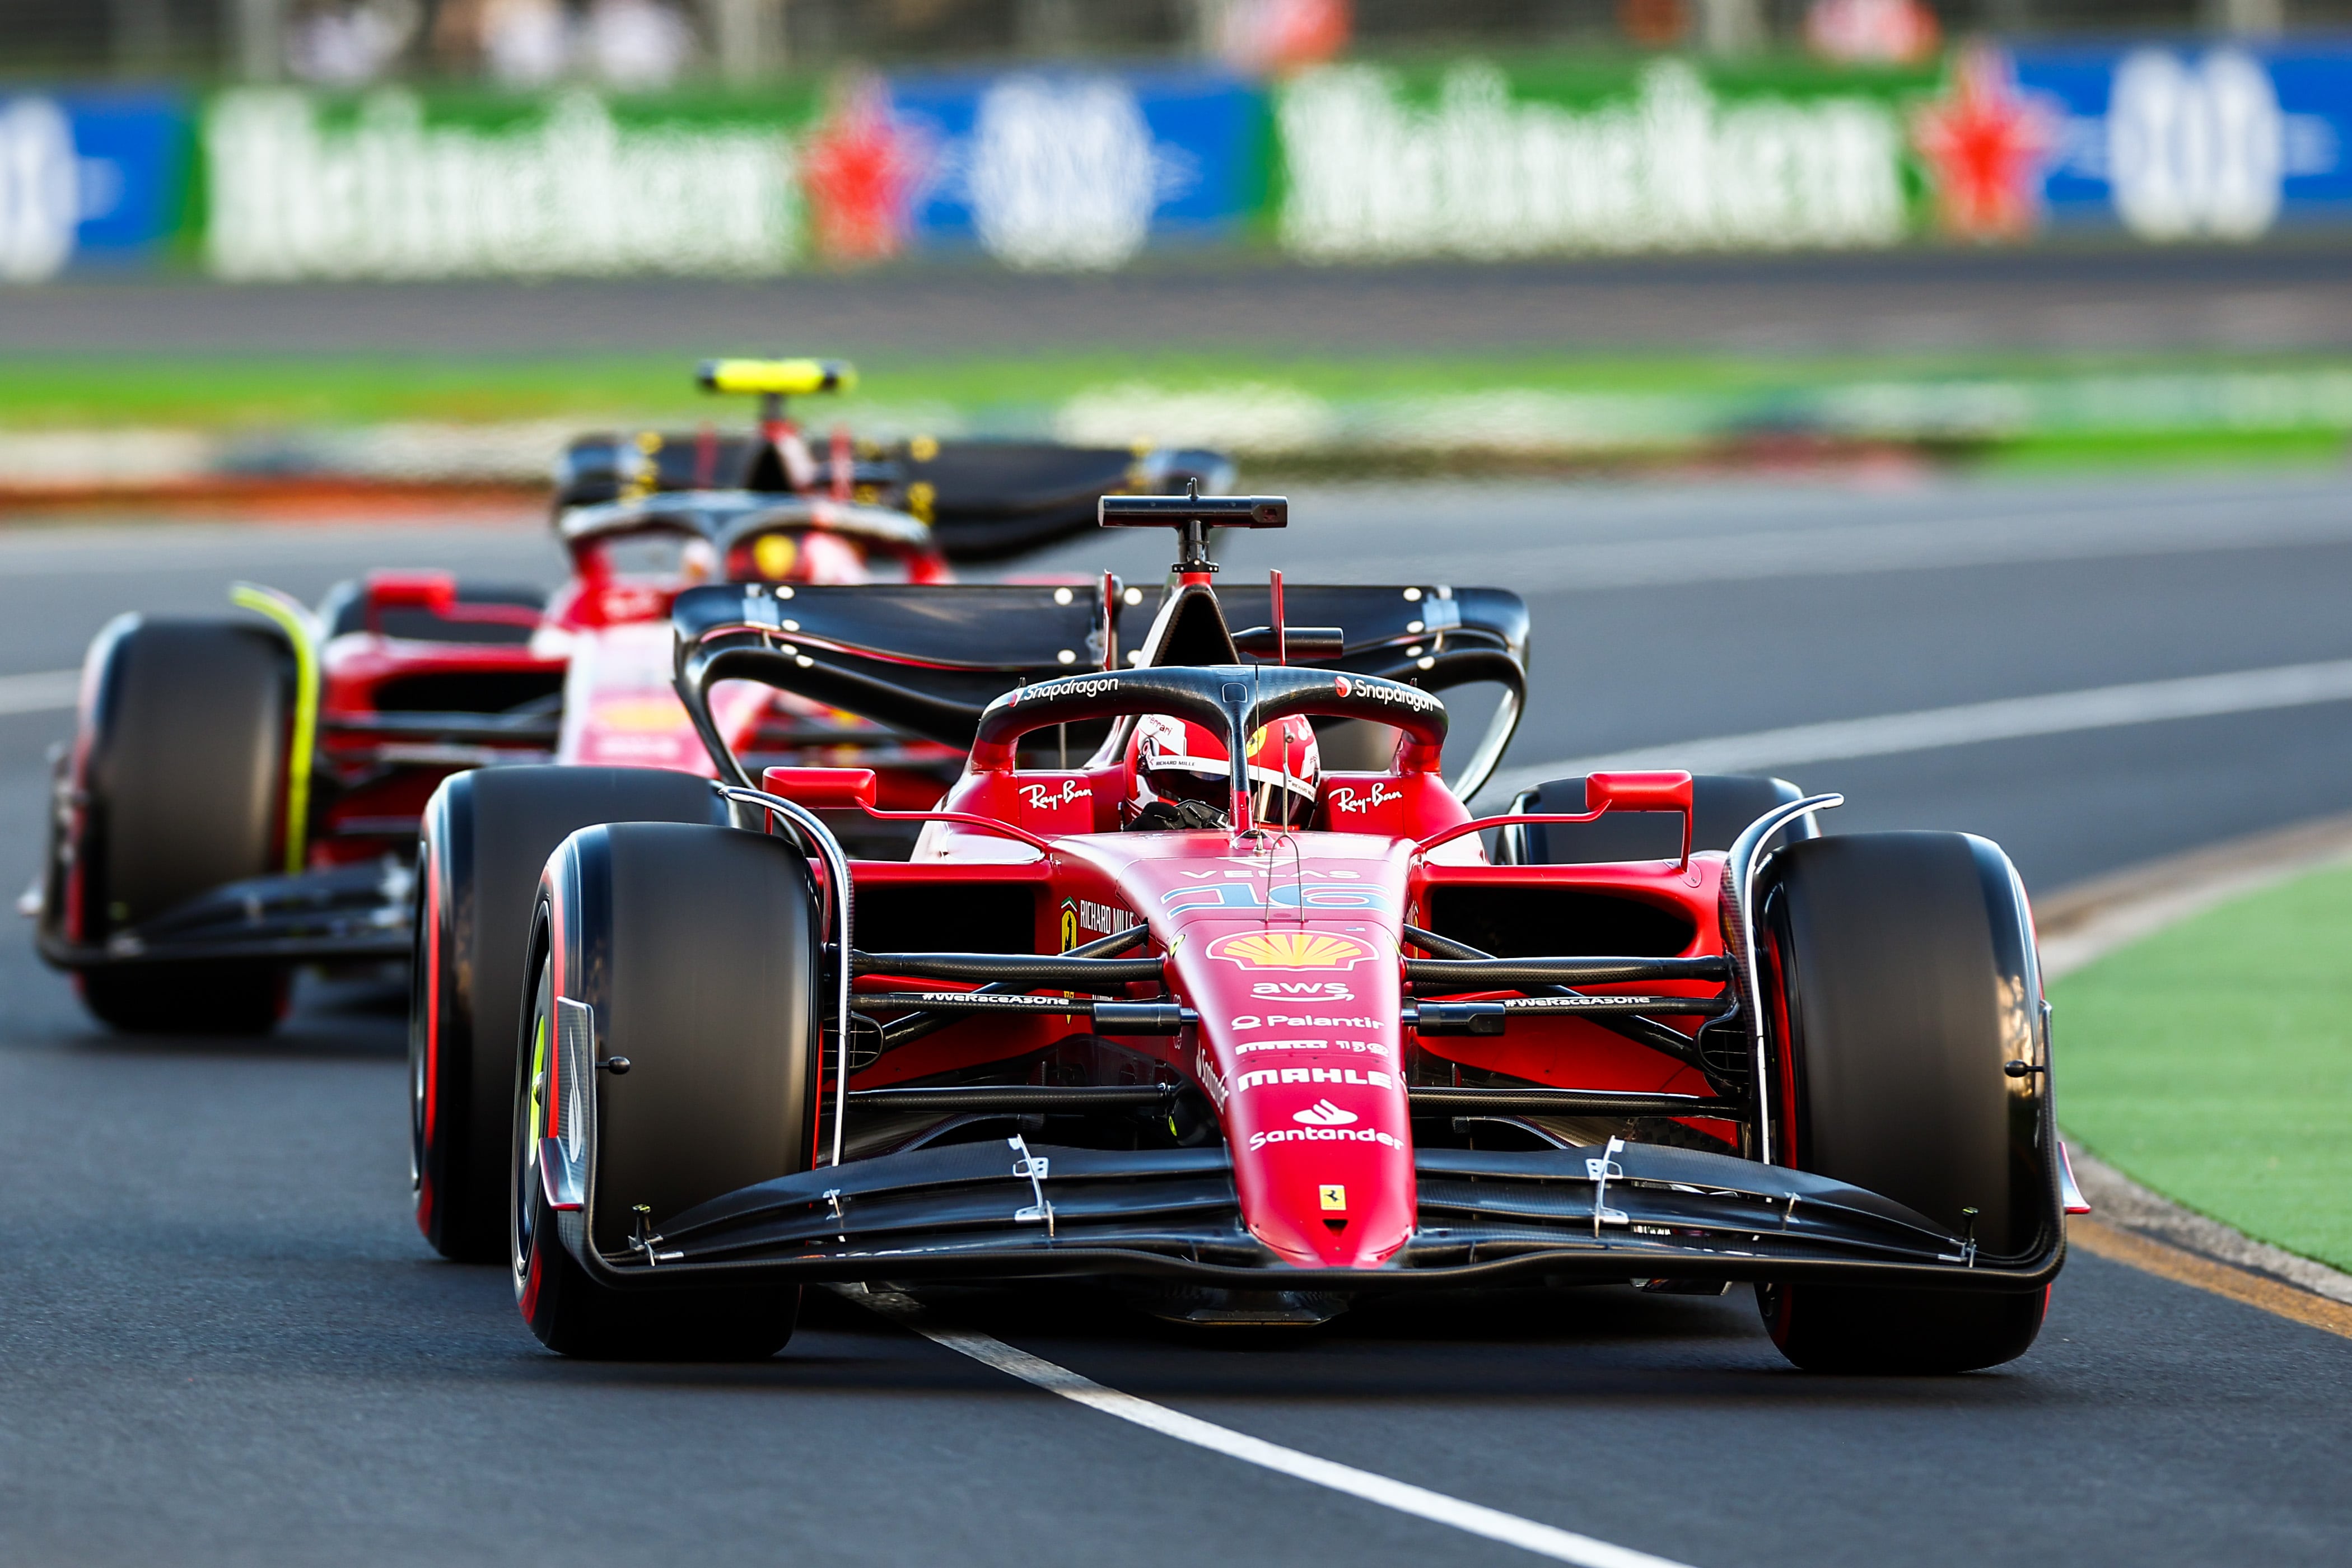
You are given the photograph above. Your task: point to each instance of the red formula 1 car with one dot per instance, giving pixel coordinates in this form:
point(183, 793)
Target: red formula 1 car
point(243, 796)
point(1248, 1038)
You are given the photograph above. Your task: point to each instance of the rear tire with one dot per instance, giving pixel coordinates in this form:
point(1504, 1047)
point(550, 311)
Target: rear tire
point(487, 835)
point(697, 950)
point(183, 785)
point(1903, 965)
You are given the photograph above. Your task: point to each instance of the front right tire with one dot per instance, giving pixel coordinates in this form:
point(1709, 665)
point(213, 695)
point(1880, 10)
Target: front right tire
point(696, 950)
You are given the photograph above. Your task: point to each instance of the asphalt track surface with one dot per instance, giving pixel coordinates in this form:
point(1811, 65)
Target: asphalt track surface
point(2283, 296)
point(221, 1340)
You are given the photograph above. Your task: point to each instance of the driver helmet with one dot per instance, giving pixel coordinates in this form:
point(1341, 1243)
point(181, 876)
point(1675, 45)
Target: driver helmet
point(1182, 773)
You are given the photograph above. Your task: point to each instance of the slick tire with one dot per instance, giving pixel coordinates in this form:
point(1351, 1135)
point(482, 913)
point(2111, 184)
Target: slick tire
point(487, 835)
point(696, 951)
point(1723, 806)
point(184, 788)
point(1900, 972)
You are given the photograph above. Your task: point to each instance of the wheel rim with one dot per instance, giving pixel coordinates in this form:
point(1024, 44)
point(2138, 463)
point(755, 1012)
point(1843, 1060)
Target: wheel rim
point(530, 1116)
point(419, 1047)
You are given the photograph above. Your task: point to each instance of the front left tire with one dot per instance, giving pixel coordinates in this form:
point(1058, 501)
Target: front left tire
point(1902, 983)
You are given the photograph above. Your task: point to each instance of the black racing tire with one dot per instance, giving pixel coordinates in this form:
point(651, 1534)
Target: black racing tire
point(1723, 805)
point(485, 839)
point(1900, 973)
point(184, 789)
point(697, 950)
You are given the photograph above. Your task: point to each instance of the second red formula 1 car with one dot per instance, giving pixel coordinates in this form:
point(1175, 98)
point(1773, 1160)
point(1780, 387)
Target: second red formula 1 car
point(243, 795)
point(1249, 1039)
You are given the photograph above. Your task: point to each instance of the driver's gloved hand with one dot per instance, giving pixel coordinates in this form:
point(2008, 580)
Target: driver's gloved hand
point(1180, 816)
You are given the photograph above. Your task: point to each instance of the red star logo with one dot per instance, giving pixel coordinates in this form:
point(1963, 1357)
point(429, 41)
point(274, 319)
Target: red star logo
point(862, 168)
point(1986, 143)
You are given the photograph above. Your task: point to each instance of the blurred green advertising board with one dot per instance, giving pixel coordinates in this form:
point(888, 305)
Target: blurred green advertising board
point(1070, 167)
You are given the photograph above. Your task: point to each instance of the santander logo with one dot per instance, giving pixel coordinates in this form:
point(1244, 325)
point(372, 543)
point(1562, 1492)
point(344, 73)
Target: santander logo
point(1323, 1113)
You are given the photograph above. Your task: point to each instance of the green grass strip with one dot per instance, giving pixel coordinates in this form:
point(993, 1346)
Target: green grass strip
point(2213, 1062)
point(217, 391)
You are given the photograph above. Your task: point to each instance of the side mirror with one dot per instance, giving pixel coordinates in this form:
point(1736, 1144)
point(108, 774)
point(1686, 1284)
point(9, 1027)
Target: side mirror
point(1643, 791)
point(823, 789)
point(431, 590)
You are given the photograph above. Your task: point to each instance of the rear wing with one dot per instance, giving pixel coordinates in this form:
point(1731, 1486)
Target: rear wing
point(928, 658)
point(984, 501)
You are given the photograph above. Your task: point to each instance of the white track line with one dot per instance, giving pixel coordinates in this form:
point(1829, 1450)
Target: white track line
point(2185, 525)
point(39, 693)
point(1543, 1539)
point(2008, 719)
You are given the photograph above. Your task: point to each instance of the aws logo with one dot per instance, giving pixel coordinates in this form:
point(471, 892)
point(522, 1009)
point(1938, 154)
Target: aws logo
point(1291, 950)
point(1301, 991)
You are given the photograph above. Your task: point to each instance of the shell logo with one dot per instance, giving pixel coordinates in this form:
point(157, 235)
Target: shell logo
point(1291, 950)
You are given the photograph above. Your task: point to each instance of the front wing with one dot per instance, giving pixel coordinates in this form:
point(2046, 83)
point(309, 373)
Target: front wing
point(351, 914)
point(1003, 1209)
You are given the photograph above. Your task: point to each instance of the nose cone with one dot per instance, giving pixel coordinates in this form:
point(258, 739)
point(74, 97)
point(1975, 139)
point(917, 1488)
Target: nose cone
point(1332, 1193)
point(1299, 1043)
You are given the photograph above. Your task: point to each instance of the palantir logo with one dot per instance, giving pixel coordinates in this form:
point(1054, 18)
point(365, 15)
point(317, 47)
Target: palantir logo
point(1323, 1113)
point(40, 190)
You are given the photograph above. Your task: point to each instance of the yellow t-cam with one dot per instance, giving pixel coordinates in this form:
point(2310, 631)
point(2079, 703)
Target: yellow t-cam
point(776, 377)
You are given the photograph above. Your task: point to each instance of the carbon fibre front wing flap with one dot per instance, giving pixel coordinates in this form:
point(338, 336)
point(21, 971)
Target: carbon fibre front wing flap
point(1001, 1208)
point(350, 914)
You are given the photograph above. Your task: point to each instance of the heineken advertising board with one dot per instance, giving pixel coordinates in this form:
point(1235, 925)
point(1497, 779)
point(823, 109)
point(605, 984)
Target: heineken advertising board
point(395, 185)
point(1071, 168)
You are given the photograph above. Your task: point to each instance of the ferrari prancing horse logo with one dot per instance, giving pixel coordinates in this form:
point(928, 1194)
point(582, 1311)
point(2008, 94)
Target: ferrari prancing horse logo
point(1291, 950)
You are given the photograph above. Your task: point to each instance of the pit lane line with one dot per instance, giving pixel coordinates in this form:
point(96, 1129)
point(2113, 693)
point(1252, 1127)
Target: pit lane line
point(1928, 729)
point(1543, 1539)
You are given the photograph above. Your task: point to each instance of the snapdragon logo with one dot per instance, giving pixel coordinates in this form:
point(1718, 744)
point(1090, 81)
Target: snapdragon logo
point(1075, 686)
